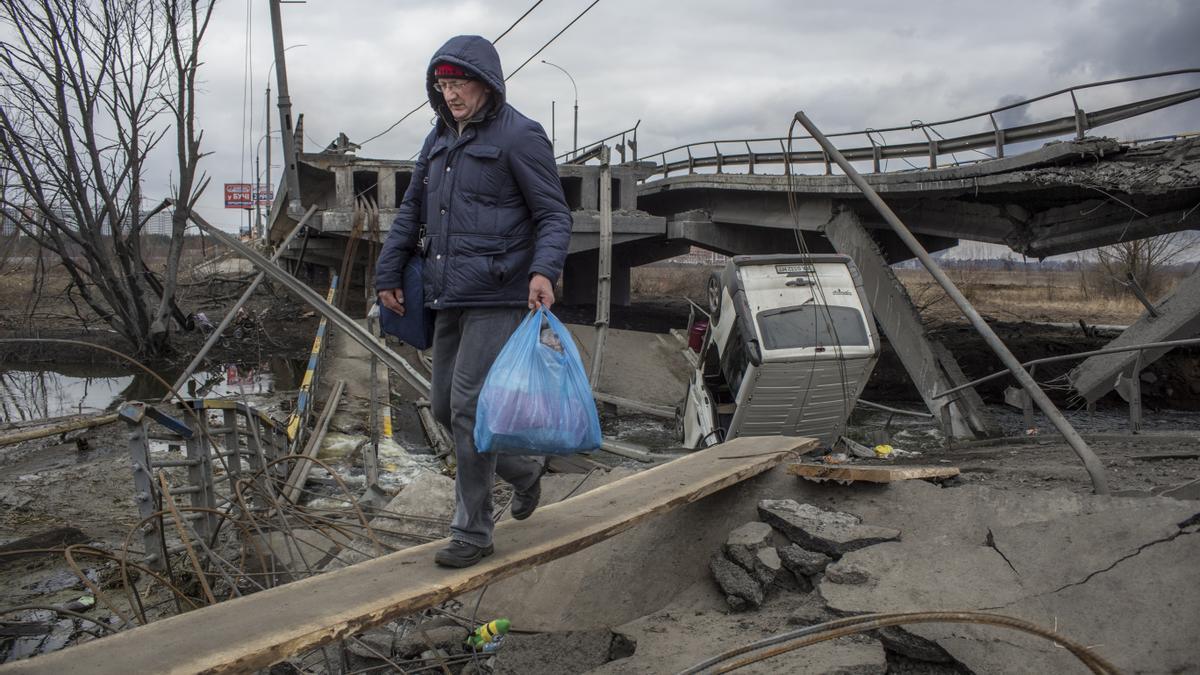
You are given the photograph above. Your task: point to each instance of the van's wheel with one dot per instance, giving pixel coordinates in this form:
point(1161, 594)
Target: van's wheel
point(714, 294)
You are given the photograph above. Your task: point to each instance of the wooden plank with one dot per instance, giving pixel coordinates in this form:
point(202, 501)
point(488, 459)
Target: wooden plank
point(58, 428)
point(870, 474)
point(255, 631)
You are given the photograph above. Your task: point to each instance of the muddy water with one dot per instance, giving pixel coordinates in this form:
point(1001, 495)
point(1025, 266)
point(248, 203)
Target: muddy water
point(88, 389)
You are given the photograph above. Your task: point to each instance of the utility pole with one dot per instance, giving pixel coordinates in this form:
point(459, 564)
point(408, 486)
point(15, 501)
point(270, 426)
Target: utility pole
point(270, 185)
point(553, 133)
point(285, 113)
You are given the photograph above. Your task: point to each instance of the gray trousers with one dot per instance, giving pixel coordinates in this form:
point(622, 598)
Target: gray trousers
point(465, 343)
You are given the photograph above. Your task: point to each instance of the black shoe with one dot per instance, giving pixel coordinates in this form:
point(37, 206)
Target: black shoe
point(524, 503)
point(462, 554)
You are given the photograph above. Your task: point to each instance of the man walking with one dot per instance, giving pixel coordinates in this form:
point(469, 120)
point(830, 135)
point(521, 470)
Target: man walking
point(486, 209)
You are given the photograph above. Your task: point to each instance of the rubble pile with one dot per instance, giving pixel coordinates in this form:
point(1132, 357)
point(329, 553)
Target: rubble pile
point(790, 549)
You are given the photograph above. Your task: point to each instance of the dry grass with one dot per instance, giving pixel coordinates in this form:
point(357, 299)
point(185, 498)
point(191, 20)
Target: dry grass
point(30, 298)
point(1018, 295)
point(1021, 295)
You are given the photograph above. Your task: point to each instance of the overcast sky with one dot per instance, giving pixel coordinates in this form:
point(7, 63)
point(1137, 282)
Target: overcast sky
point(689, 70)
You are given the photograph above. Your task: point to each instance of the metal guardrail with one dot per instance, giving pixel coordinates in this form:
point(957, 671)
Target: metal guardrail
point(935, 144)
point(627, 142)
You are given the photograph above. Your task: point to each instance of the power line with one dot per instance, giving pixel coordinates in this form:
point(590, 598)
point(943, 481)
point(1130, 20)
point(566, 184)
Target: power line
point(519, 20)
point(510, 75)
point(410, 113)
point(543, 47)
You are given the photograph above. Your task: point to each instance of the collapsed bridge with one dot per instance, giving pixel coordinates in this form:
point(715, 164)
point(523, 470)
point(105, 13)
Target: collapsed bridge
point(1077, 192)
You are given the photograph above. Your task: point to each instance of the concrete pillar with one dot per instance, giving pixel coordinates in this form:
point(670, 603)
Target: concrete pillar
point(387, 189)
point(929, 364)
point(589, 191)
point(625, 187)
point(581, 274)
point(344, 185)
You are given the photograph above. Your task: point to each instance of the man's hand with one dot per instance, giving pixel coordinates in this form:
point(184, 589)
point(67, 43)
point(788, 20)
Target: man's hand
point(393, 299)
point(541, 291)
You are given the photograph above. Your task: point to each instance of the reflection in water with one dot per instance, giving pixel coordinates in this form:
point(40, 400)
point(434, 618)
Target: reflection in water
point(38, 394)
point(245, 379)
point(89, 389)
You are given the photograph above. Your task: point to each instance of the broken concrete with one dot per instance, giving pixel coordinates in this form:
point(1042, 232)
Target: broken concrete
point(633, 574)
point(803, 562)
point(299, 551)
point(696, 626)
point(1144, 604)
point(847, 572)
point(421, 511)
point(372, 644)
point(556, 653)
point(1175, 318)
point(423, 508)
point(832, 532)
point(1107, 572)
point(421, 638)
point(745, 542)
point(767, 567)
point(742, 591)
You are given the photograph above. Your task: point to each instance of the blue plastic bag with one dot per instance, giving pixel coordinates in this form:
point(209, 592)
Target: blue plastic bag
point(536, 399)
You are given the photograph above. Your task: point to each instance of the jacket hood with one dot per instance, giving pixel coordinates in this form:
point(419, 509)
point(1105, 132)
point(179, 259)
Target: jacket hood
point(477, 55)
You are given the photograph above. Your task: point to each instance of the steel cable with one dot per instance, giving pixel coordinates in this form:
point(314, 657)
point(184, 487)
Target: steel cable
point(410, 113)
point(841, 627)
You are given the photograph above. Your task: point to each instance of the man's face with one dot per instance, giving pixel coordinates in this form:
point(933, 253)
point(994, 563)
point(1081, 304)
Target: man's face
point(465, 98)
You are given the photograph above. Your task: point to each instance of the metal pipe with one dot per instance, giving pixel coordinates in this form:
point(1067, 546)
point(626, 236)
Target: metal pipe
point(1069, 357)
point(229, 316)
point(604, 274)
point(1090, 462)
point(344, 323)
point(897, 411)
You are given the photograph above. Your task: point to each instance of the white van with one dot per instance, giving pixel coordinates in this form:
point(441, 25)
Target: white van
point(789, 347)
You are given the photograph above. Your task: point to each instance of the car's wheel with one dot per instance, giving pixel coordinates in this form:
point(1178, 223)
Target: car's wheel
point(714, 294)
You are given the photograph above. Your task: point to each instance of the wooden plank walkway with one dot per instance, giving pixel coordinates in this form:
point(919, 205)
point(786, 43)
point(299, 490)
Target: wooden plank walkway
point(871, 474)
point(255, 631)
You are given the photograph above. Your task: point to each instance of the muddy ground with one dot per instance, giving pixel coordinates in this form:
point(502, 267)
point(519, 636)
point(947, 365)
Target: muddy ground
point(83, 480)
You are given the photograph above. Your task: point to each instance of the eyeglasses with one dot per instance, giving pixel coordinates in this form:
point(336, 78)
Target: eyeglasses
point(450, 86)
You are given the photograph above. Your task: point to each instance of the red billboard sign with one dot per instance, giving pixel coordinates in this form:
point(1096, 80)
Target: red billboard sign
point(239, 196)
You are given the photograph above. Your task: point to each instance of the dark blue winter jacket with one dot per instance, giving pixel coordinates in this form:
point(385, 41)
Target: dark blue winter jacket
point(490, 200)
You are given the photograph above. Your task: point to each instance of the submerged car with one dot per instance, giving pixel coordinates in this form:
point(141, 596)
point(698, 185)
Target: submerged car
point(788, 348)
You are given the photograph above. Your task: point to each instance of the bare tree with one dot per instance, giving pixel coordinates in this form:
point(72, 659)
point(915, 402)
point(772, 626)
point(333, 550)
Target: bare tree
point(86, 89)
point(1144, 260)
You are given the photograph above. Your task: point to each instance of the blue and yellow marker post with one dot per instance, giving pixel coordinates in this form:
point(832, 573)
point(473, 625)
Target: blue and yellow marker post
point(299, 416)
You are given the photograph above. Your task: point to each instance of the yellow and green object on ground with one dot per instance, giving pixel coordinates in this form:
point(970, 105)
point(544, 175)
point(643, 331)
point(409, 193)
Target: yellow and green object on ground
point(488, 632)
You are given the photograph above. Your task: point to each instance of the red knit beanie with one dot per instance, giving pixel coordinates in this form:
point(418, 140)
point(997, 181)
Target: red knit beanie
point(444, 69)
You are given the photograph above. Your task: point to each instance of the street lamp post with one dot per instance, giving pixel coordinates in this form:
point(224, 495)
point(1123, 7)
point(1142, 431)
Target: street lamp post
point(258, 176)
point(575, 136)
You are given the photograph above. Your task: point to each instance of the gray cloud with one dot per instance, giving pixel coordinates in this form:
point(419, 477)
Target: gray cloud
point(691, 71)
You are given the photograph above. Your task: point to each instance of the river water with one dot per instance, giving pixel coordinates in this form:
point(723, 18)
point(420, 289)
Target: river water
point(33, 394)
